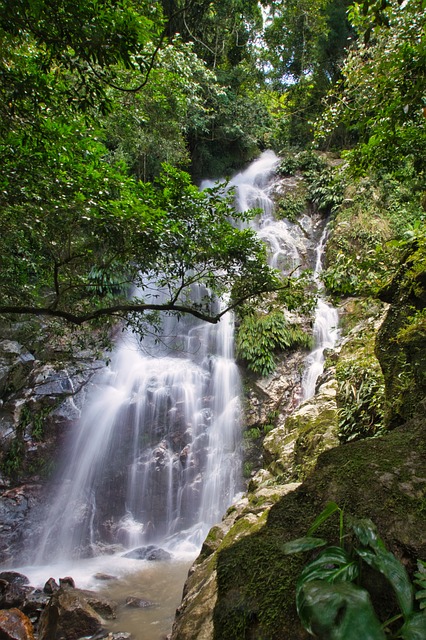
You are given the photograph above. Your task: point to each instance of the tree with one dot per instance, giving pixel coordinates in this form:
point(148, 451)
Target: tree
point(305, 45)
point(83, 239)
point(381, 95)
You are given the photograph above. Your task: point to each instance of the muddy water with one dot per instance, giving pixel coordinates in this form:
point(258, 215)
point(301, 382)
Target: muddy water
point(160, 583)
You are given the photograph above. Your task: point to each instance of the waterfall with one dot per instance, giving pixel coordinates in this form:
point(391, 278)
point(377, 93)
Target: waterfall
point(325, 332)
point(156, 455)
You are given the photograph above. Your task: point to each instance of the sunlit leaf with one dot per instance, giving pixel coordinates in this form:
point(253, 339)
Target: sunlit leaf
point(330, 508)
point(303, 544)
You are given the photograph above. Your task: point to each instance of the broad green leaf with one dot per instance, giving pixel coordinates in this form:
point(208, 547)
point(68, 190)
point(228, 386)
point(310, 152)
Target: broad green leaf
point(415, 627)
point(303, 544)
point(338, 612)
point(393, 570)
point(332, 565)
point(366, 532)
point(330, 508)
point(421, 596)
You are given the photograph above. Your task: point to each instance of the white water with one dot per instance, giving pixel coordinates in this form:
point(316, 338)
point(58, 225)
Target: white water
point(325, 330)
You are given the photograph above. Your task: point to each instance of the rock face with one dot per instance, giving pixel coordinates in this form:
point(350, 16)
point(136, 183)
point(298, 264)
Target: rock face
point(243, 585)
point(39, 403)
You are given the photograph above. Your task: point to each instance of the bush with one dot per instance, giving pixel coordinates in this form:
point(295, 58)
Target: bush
point(260, 336)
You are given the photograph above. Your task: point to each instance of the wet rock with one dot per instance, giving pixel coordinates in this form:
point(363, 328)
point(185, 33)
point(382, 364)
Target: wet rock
point(150, 552)
point(104, 577)
point(15, 364)
point(15, 625)
point(13, 594)
point(139, 603)
point(103, 606)
point(68, 581)
point(34, 603)
point(51, 586)
point(14, 577)
point(68, 615)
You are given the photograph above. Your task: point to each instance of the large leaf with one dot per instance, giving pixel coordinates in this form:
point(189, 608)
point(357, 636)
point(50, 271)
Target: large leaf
point(366, 532)
point(332, 565)
point(338, 612)
point(303, 544)
point(415, 627)
point(393, 570)
point(330, 508)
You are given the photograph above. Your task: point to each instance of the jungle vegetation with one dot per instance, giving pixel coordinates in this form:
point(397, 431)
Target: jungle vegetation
point(111, 112)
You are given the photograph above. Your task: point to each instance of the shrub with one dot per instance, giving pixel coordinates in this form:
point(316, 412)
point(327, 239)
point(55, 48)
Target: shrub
point(260, 336)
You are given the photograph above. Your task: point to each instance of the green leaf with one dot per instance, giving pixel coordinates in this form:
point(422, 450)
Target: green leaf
point(303, 544)
point(366, 532)
point(338, 612)
point(330, 508)
point(393, 570)
point(415, 627)
point(333, 564)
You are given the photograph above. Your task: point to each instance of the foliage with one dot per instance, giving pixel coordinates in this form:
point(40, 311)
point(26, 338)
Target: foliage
point(221, 31)
point(303, 161)
point(324, 184)
point(381, 95)
point(69, 52)
point(292, 205)
point(328, 602)
point(305, 45)
point(169, 232)
point(261, 335)
point(360, 401)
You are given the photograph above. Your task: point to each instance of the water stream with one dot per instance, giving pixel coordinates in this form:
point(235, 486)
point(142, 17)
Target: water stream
point(325, 329)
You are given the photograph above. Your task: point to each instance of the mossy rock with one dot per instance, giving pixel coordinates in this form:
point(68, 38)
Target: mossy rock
point(245, 586)
point(383, 479)
point(401, 341)
point(291, 451)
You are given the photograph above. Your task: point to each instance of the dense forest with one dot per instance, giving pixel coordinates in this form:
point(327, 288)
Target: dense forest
point(112, 113)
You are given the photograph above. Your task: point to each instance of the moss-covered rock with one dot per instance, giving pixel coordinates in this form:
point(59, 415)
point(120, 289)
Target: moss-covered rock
point(383, 479)
point(291, 450)
point(401, 341)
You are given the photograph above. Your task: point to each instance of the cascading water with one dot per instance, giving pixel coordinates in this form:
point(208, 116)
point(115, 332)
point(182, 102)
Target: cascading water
point(157, 450)
point(156, 455)
point(325, 331)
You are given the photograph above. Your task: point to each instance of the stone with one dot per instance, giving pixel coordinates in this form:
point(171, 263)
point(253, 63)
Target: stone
point(14, 577)
point(13, 594)
point(50, 586)
point(68, 581)
point(68, 615)
point(150, 553)
point(139, 603)
point(15, 625)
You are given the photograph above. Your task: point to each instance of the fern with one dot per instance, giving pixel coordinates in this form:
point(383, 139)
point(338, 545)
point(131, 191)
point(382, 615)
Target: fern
point(261, 336)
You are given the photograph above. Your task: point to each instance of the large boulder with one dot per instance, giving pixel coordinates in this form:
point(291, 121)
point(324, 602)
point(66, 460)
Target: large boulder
point(73, 614)
point(243, 585)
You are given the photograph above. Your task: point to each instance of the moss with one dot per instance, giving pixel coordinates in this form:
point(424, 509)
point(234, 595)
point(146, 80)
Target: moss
point(401, 347)
point(369, 478)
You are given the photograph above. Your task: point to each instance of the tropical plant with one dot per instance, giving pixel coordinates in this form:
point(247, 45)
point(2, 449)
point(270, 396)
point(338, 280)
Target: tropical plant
point(330, 600)
point(360, 401)
point(260, 336)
